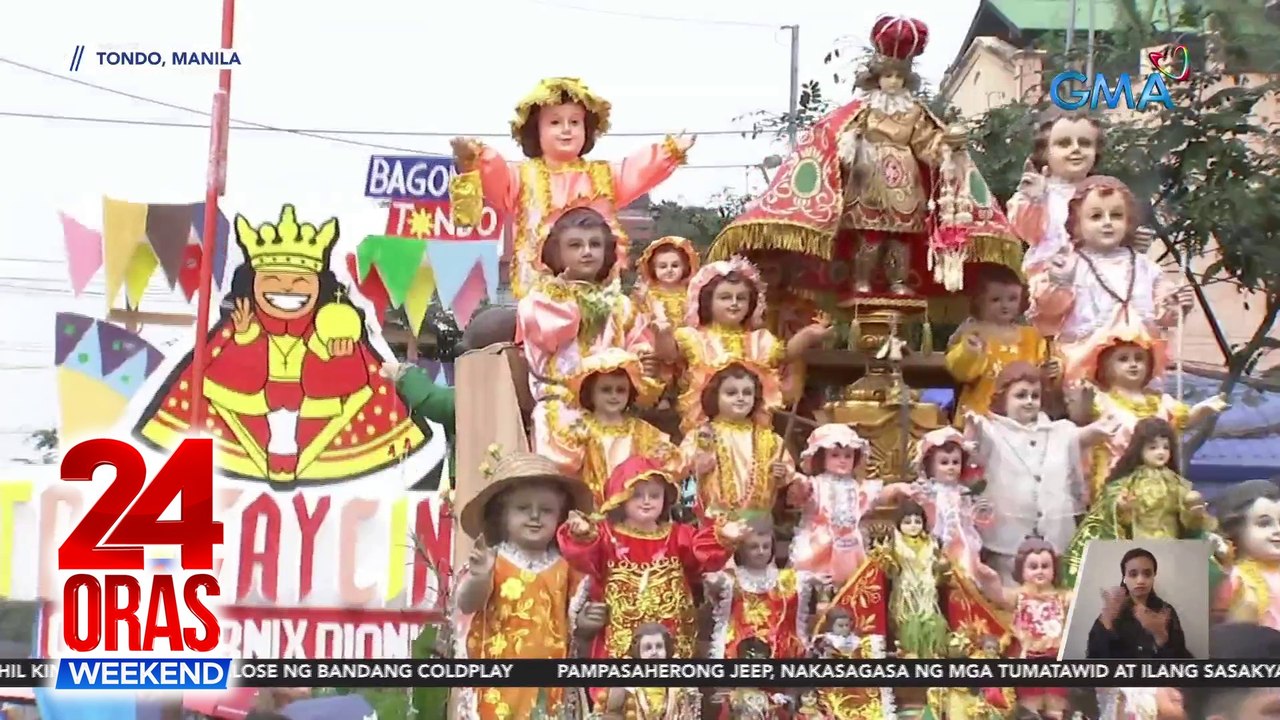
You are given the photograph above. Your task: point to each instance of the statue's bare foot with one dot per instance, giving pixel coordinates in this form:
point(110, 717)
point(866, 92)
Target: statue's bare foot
point(900, 289)
point(862, 288)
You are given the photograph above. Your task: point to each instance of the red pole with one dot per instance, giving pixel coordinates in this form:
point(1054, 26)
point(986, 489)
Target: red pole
point(218, 131)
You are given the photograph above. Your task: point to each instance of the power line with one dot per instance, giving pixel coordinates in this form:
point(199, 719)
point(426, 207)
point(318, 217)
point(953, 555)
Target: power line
point(309, 133)
point(659, 18)
point(317, 133)
point(328, 131)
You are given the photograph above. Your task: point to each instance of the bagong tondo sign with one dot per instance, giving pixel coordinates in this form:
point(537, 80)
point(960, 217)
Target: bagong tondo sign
point(309, 574)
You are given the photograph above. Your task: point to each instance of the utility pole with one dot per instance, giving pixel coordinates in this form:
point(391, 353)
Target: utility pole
point(1071, 28)
point(216, 186)
point(793, 116)
point(1088, 72)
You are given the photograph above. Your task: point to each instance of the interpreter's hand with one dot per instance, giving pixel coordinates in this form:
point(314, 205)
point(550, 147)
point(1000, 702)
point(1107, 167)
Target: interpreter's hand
point(1154, 622)
point(242, 317)
point(579, 525)
point(1112, 603)
point(342, 347)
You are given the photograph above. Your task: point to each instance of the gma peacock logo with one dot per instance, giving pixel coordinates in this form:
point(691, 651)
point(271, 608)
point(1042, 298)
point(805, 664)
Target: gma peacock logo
point(1072, 90)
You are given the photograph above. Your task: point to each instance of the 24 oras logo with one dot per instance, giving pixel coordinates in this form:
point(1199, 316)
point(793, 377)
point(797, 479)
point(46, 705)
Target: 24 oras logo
point(107, 556)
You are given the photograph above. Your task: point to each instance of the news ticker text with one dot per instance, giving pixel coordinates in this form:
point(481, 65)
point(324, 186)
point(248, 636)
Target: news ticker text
point(216, 674)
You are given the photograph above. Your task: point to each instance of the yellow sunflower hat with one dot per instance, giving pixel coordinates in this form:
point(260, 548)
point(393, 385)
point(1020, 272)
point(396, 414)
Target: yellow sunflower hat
point(553, 91)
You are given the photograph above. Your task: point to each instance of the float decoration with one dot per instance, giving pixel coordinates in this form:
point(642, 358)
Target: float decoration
point(293, 384)
point(101, 367)
point(136, 239)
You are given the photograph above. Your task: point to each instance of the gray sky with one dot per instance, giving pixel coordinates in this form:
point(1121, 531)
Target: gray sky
point(444, 68)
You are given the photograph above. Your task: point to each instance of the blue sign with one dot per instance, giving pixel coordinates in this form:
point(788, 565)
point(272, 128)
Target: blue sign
point(412, 177)
point(1101, 91)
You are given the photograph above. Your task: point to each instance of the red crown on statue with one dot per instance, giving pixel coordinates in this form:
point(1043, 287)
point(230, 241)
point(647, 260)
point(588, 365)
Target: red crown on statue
point(901, 38)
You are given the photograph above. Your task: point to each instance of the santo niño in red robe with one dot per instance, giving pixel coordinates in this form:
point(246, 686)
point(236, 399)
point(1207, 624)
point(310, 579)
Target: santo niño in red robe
point(293, 388)
point(644, 576)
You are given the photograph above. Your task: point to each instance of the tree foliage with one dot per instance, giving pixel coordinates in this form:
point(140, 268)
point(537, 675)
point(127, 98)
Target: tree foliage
point(1208, 169)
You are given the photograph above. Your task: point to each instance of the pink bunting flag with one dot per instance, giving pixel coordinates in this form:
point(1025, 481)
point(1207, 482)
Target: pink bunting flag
point(84, 252)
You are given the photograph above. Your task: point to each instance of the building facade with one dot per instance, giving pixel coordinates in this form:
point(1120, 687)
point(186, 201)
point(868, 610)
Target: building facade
point(997, 65)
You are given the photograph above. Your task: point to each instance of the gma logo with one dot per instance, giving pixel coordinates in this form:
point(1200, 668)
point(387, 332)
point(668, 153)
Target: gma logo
point(1070, 91)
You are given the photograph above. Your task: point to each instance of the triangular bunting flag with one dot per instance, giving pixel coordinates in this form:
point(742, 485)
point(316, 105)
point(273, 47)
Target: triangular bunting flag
point(421, 290)
point(154, 358)
point(84, 252)
point(431, 367)
point(396, 259)
point(372, 289)
point(86, 358)
point(70, 327)
point(469, 297)
point(452, 261)
point(124, 227)
point(138, 274)
point(448, 374)
point(189, 275)
point(168, 230)
point(117, 345)
point(222, 236)
point(441, 378)
point(489, 263)
point(127, 378)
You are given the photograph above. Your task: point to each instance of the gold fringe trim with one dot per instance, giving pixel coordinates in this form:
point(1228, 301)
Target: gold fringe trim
point(997, 250)
point(762, 235)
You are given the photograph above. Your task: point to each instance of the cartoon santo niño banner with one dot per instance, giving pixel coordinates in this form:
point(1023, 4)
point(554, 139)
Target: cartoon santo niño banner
point(328, 551)
point(330, 573)
point(292, 381)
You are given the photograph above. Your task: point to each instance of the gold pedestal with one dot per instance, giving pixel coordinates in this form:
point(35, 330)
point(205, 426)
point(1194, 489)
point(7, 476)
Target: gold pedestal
point(890, 416)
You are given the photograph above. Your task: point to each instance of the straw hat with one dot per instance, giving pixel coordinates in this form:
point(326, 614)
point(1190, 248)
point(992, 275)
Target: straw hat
point(513, 469)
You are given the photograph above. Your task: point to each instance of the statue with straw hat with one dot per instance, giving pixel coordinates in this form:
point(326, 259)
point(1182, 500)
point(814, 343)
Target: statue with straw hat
point(517, 598)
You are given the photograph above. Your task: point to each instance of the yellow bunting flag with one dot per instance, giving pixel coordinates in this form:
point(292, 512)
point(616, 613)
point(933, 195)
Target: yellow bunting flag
point(138, 274)
point(418, 298)
point(86, 407)
point(11, 493)
point(124, 228)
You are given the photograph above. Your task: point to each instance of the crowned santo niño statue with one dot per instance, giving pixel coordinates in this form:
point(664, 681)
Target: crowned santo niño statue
point(292, 383)
point(878, 184)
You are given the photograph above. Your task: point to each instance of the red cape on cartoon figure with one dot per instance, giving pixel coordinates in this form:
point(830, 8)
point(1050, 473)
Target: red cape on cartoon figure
point(293, 387)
